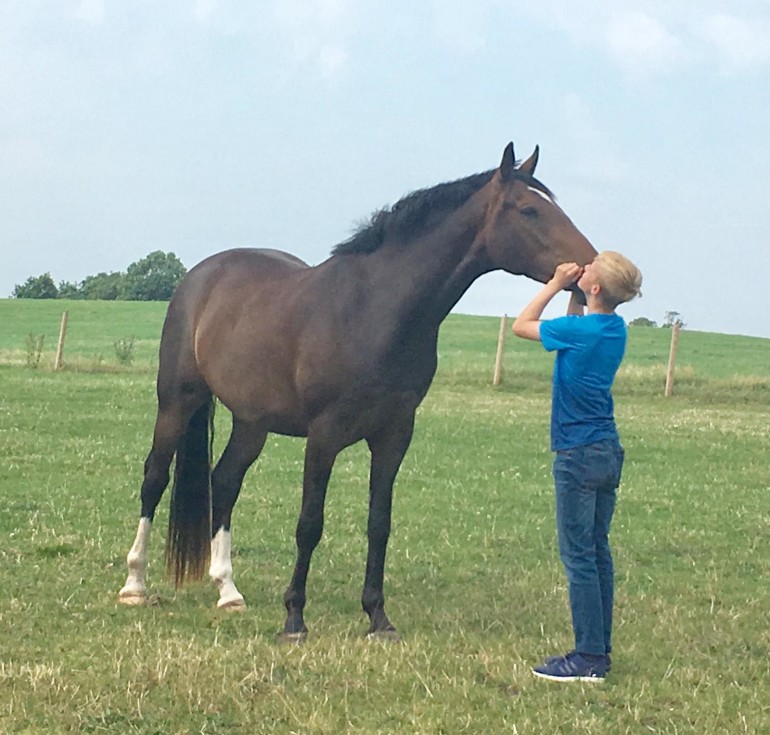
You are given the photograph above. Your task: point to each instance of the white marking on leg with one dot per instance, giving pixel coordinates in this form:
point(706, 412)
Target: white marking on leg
point(221, 571)
point(134, 591)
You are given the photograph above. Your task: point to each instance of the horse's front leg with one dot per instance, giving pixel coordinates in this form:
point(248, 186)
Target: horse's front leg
point(388, 448)
point(320, 454)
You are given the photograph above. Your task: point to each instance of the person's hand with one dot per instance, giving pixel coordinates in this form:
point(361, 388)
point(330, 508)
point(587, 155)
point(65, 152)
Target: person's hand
point(566, 274)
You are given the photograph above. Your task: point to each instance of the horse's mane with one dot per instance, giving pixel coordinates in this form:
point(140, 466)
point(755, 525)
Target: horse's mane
point(413, 214)
point(417, 212)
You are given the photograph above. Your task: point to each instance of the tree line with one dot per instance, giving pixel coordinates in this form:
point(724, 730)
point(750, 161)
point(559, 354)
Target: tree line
point(153, 278)
point(671, 318)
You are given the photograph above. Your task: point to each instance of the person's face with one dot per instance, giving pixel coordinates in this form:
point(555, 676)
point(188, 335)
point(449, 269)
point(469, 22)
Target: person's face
point(588, 280)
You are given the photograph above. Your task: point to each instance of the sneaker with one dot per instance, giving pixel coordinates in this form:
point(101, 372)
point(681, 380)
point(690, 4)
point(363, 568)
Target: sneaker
point(572, 667)
point(607, 660)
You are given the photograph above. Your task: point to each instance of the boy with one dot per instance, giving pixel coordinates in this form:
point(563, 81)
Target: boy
point(589, 456)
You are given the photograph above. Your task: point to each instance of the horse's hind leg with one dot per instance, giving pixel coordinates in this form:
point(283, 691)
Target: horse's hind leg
point(244, 446)
point(170, 425)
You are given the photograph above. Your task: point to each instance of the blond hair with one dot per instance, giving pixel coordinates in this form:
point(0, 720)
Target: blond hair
point(619, 278)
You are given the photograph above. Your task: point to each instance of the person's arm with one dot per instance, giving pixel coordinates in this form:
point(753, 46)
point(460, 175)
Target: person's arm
point(527, 324)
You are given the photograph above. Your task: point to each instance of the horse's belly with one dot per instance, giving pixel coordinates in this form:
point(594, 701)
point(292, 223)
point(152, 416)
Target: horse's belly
point(258, 393)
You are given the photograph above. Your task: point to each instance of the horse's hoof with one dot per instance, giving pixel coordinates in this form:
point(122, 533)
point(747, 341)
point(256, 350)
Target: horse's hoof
point(293, 639)
point(233, 606)
point(389, 636)
point(132, 598)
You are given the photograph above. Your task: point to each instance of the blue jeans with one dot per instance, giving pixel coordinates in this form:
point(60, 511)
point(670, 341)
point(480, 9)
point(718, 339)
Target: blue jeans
point(586, 483)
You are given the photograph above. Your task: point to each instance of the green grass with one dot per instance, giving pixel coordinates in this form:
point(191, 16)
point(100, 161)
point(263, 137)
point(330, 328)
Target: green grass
point(92, 329)
point(473, 579)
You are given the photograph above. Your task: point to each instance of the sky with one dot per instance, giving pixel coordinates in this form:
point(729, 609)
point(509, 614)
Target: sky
point(193, 126)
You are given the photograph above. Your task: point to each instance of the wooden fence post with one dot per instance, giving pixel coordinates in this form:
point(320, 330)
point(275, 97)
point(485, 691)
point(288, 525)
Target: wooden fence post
point(498, 376)
point(60, 347)
point(672, 359)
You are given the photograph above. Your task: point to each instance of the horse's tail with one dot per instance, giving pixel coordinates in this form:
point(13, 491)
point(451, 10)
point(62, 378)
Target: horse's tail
point(188, 545)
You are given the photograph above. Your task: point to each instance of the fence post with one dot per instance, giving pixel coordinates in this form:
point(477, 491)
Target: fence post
point(60, 347)
point(498, 376)
point(672, 359)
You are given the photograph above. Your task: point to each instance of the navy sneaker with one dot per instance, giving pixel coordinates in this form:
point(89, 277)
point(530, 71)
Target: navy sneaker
point(607, 660)
point(572, 667)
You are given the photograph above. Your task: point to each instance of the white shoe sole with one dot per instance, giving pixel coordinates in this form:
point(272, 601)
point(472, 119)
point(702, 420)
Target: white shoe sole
point(592, 679)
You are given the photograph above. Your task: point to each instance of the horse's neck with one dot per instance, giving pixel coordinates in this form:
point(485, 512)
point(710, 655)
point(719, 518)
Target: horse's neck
point(427, 277)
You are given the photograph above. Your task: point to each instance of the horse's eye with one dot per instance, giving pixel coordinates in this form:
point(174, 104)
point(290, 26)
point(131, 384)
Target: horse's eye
point(529, 212)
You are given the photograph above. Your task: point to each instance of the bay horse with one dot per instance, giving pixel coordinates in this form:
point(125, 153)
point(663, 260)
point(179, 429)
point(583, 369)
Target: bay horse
point(338, 352)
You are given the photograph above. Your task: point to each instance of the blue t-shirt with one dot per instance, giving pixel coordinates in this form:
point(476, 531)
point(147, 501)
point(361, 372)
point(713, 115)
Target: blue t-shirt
point(589, 351)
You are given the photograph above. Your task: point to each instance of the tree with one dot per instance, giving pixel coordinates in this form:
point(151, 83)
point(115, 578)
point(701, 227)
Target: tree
point(153, 278)
point(103, 286)
point(68, 290)
point(36, 287)
point(642, 321)
point(673, 317)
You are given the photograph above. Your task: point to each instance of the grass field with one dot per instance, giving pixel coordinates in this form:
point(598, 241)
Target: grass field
point(473, 579)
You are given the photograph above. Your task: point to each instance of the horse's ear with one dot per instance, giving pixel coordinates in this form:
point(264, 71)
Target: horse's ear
point(508, 164)
point(528, 167)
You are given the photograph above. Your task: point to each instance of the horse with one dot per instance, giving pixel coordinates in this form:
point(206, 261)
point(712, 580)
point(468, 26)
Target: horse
point(338, 352)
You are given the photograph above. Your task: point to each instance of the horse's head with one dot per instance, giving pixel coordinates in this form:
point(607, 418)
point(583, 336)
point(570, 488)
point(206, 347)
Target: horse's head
point(526, 232)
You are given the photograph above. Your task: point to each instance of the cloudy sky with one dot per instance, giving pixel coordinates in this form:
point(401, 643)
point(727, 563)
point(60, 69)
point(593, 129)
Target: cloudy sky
point(128, 126)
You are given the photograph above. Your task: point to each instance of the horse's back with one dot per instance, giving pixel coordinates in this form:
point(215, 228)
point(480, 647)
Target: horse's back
point(232, 267)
